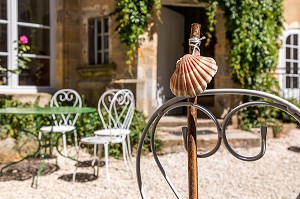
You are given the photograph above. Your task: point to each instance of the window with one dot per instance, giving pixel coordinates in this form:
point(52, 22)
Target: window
point(292, 48)
point(98, 40)
point(34, 19)
point(292, 61)
point(288, 70)
point(3, 40)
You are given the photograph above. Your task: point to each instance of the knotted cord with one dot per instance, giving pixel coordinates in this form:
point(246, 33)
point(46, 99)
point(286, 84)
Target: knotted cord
point(196, 42)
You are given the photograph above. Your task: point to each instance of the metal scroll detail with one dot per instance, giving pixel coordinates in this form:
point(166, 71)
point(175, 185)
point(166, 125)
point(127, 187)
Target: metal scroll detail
point(176, 102)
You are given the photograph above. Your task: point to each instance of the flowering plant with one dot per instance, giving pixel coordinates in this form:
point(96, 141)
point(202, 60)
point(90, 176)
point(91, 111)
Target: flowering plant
point(22, 48)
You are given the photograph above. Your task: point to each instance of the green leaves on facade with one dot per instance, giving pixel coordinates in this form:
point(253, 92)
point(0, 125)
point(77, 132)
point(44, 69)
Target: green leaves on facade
point(22, 61)
point(133, 17)
point(253, 29)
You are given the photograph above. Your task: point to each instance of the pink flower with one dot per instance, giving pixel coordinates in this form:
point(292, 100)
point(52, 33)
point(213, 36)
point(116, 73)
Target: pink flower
point(23, 39)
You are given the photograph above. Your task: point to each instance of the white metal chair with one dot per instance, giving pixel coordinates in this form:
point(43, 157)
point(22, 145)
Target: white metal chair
point(63, 123)
point(116, 109)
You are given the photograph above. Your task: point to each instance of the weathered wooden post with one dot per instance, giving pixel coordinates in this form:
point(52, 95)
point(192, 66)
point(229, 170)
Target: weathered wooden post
point(192, 130)
point(190, 78)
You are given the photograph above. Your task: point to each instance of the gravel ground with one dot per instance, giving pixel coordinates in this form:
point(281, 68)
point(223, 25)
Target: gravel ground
point(276, 175)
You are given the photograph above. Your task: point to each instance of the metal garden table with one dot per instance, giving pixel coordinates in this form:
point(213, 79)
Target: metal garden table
point(41, 111)
point(47, 110)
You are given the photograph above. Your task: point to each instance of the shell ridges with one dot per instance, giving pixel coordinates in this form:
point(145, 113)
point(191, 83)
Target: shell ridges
point(192, 74)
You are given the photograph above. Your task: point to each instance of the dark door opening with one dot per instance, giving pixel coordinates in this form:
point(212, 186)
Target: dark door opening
point(179, 32)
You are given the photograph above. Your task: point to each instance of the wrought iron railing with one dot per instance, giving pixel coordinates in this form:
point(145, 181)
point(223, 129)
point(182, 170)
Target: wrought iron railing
point(176, 102)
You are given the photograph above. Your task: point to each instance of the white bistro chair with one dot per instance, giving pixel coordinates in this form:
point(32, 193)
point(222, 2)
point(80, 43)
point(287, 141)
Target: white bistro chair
point(116, 109)
point(63, 123)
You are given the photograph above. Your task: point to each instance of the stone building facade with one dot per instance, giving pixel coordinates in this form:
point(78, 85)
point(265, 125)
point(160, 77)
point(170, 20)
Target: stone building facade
point(159, 49)
point(73, 70)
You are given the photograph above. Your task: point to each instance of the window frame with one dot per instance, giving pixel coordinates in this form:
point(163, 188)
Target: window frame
point(292, 91)
point(12, 35)
point(96, 50)
point(291, 60)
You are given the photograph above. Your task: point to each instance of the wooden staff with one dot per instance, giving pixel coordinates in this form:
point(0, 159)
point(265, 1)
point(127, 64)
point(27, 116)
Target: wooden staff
point(192, 131)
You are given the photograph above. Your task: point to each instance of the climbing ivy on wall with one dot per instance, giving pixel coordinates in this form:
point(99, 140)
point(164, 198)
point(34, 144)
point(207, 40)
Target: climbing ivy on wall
point(132, 18)
point(253, 29)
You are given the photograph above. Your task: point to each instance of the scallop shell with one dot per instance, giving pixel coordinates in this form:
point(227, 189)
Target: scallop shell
point(192, 74)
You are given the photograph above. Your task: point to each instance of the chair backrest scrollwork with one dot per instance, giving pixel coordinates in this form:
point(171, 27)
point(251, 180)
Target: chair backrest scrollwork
point(116, 108)
point(65, 97)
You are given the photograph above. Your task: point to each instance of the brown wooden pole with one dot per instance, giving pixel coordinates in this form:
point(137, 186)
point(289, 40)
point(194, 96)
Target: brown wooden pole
point(192, 132)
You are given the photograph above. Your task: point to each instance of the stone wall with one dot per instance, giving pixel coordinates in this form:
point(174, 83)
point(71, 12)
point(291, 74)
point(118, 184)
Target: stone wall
point(73, 70)
point(68, 43)
point(291, 13)
point(222, 79)
point(147, 74)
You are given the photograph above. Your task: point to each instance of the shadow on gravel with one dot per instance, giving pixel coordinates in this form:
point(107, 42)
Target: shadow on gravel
point(88, 163)
point(26, 169)
point(80, 177)
point(294, 149)
point(83, 177)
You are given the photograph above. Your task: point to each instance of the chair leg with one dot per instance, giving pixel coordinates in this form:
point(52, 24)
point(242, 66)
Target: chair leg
point(75, 139)
point(129, 145)
point(95, 154)
point(40, 140)
point(44, 145)
point(97, 158)
point(126, 157)
point(65, 143)
point(106, 160)
point(40, 135)
point(124, 148)
point(50, 143)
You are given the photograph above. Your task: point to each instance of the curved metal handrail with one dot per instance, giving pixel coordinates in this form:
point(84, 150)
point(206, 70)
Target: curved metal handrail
point(176, 102)
point(263, 129)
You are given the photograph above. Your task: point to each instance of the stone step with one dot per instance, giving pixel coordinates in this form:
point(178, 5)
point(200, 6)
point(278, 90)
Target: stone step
point(175, 121)
point(172, 141)
point(169, 132)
